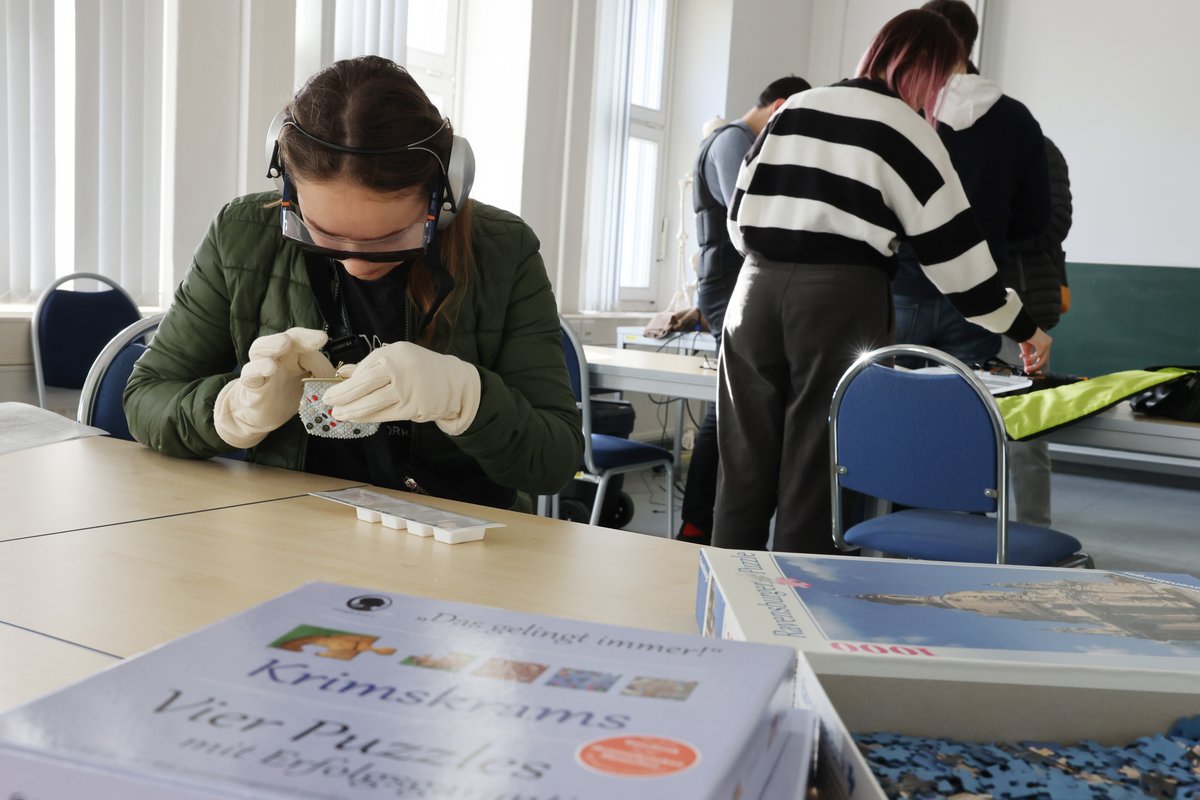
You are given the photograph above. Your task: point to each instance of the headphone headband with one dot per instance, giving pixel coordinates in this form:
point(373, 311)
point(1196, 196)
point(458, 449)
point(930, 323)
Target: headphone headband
point(457, 176)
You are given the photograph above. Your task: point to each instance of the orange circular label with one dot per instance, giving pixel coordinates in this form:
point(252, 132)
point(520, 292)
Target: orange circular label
point(638, 756)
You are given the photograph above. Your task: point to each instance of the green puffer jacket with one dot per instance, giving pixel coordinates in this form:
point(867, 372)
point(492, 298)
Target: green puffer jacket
point(247, 281)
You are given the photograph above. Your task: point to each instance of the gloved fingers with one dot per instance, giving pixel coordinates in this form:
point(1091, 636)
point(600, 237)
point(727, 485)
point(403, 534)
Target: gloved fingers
point(364, 382)
point(316, 364)
point(276, 345)
point(258, 371)
point(307, 340)
point(378, 406)
point(346, 370)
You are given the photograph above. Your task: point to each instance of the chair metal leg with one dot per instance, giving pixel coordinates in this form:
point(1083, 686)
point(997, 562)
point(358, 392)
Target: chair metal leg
point(670, 501)
point(598, 503)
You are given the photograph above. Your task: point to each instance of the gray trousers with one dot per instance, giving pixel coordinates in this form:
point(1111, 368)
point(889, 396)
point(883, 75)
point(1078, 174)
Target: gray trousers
point(791, 331)
point(1028, 465)
point(1029, 481)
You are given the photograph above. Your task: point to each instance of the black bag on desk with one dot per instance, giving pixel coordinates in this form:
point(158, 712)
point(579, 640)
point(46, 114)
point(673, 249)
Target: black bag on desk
point(1175, 400)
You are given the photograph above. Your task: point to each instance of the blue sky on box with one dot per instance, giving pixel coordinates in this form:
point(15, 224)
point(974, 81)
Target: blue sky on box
point(836, 586)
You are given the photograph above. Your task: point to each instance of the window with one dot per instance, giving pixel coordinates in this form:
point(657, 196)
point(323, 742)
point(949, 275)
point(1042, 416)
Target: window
point(421, 35)
point(88, 104)
point(433, 49)
point(81, 145)
point(626, 180)
point(642, 218)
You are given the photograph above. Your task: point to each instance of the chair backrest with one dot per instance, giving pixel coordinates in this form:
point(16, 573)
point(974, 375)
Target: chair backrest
point(580, 384)
point(101, 401)
point(69, 329)
point(924, 440)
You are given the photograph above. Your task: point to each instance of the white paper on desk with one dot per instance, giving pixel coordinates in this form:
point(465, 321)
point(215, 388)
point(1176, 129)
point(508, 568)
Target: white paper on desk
point(996, 384)
point(23, 426)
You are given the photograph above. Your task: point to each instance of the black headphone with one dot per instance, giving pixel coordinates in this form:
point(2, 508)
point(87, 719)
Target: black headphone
point(458, 174)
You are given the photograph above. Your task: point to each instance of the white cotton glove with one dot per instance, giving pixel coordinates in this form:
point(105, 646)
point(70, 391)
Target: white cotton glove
point(268, 392)
point(404, 381)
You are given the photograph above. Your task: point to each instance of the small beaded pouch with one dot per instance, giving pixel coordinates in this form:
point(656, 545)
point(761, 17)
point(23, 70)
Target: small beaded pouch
point(318, 418)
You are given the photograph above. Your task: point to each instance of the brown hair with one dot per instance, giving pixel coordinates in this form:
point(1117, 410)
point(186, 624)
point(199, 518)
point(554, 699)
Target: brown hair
point(961, 18)
point(371, 103)
point(915, 53)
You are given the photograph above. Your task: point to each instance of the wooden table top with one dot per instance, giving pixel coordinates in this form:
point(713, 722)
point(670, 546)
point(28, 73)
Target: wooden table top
point(32, 665)
point(96, 481)
point(126, 587)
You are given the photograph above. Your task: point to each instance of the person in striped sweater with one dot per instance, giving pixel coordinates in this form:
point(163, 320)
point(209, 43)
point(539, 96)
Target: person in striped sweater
point(840, 176)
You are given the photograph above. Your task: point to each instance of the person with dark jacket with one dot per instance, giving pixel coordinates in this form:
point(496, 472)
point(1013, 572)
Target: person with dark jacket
point(437, 307)
point(996, 147)
point(713, 181)
point(999, 151)
point(1037, 269)
point(1037, 265)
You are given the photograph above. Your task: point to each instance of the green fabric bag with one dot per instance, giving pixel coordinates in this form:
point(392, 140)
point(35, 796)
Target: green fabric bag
point(1027, 416)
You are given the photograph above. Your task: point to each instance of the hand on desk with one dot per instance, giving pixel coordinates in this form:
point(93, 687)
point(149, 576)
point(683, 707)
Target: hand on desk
point(267, 393)
point(404, 381)
point(1035, 352)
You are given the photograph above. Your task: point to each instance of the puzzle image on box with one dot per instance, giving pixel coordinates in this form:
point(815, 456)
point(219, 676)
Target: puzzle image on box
point(451, 662)
point(505, 669)
point(662, 688)
point(969, 607)
point(1166, 766)
point(336, 644)
point(585, 679)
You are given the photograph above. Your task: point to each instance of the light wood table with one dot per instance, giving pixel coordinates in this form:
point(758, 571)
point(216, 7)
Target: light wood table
point(96, 481)
point(124, 588)
point(32, 664)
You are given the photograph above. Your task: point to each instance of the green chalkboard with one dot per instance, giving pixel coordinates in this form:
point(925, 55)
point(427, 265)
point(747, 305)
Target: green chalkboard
point(1128, 317)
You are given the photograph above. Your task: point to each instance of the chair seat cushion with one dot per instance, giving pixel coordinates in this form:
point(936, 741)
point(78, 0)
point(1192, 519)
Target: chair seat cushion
point(609, 452)
point(952, 536)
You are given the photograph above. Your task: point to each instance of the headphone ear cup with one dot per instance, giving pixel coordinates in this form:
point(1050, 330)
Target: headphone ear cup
point(460, 176)
point(274, 165)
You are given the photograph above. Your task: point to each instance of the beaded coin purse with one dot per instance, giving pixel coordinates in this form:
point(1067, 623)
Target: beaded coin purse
point(318, 418)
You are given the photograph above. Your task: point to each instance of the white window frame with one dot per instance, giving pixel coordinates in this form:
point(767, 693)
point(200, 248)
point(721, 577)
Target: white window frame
point(651, 125)
point(437, 73)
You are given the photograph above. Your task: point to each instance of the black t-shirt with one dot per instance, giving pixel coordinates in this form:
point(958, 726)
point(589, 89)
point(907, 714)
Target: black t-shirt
point(377, 312)
point(378, 315)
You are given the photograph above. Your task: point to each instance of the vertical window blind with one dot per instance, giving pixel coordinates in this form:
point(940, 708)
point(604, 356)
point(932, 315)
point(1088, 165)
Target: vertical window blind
point(81, 144)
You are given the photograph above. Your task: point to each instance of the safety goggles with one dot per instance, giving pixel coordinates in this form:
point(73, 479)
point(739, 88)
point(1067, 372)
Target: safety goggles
point(409, 243)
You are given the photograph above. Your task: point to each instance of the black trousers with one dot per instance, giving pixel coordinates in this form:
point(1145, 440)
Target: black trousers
point(791, 331)
point(700, 492)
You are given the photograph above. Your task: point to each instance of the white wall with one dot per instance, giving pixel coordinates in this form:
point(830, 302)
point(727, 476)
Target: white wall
point(547, 129)
point(1114, 85)
point(493, 88)
point(204, 145)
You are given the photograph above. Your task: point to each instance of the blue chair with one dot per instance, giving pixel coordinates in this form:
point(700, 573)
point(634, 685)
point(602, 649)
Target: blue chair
point(936, 444)
point(100, 403)
point(69, 328)
point(606, 456)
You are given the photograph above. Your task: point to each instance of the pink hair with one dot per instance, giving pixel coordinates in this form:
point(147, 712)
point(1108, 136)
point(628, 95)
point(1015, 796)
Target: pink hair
point(915, 53)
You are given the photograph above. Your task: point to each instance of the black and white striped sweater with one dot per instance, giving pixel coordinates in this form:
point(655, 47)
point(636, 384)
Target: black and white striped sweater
point(842, 173)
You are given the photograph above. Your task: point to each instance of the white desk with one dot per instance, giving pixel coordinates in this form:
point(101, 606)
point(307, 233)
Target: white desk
point(681, 342)
point(683, 376)
point(1129, 439)
point(1123, 438)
